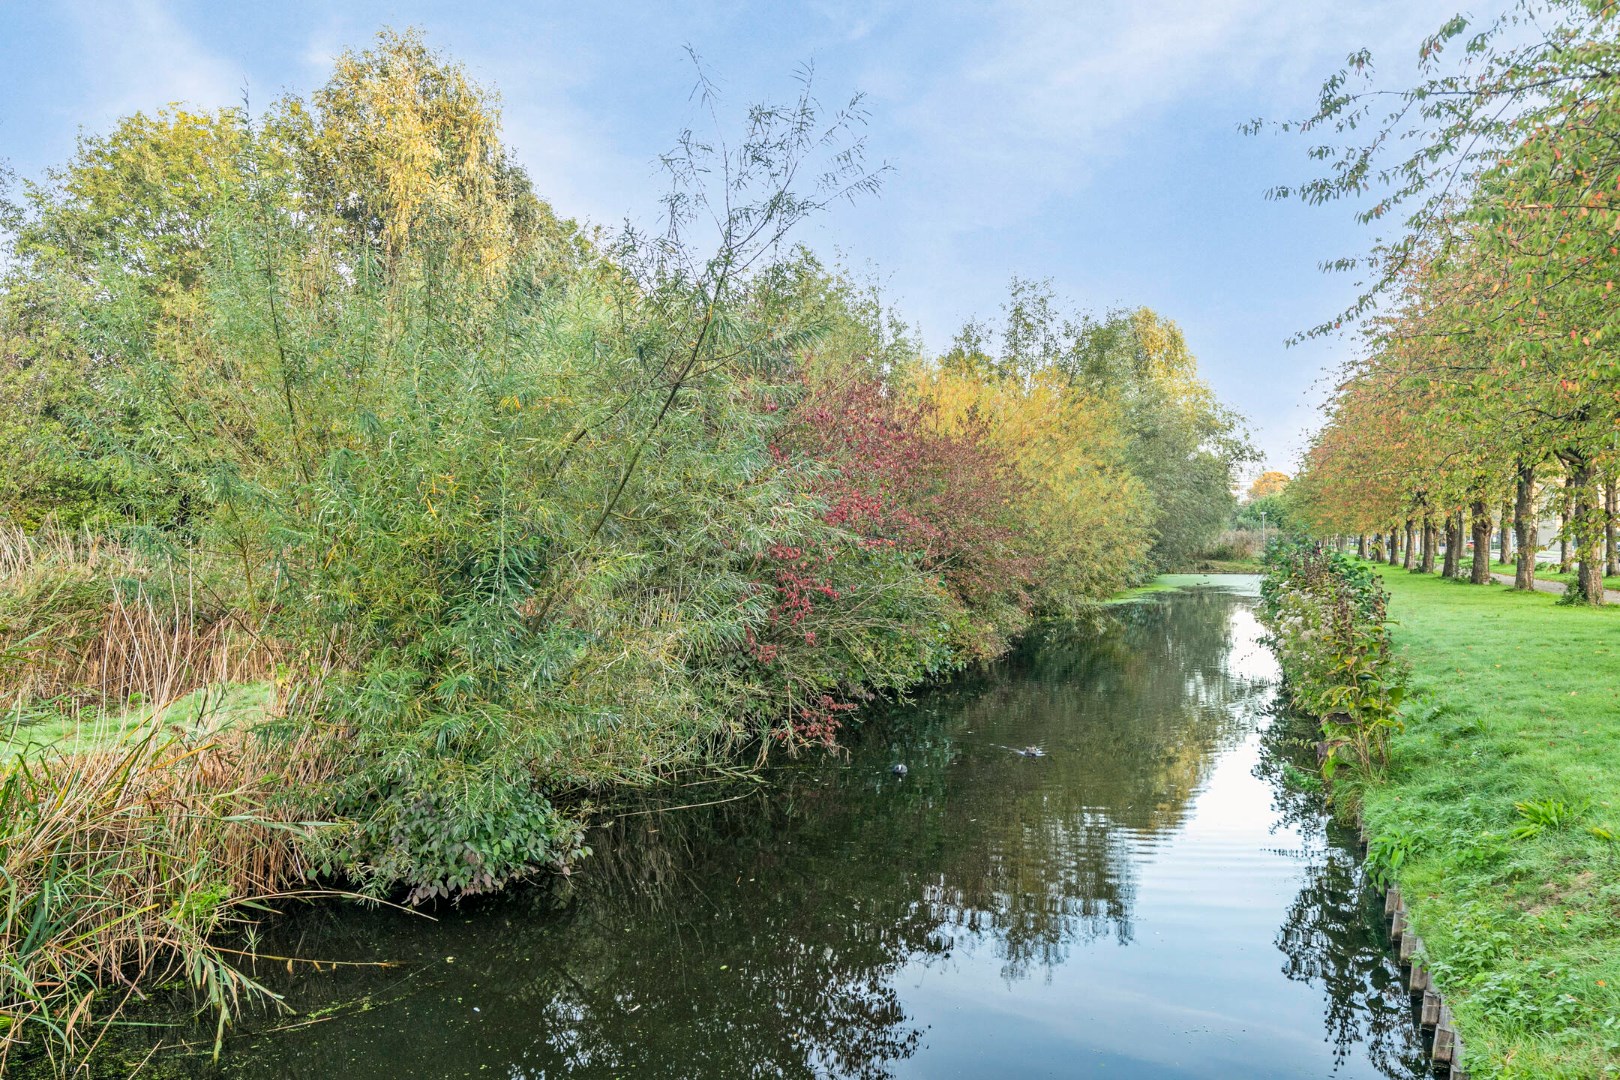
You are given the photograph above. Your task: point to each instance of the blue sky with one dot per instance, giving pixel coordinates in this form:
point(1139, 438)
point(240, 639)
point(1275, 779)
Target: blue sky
point(1092, 143)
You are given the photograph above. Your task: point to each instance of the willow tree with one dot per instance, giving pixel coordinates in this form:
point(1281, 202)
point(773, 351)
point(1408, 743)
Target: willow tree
point(129, 216)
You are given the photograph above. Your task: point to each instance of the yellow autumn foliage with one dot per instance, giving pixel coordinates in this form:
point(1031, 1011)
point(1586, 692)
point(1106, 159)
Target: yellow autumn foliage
point(1268, 483)
point(401, 146)
point(1085, 516)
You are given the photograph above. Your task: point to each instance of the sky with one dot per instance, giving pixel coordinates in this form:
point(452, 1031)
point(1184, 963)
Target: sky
point(1093, 143)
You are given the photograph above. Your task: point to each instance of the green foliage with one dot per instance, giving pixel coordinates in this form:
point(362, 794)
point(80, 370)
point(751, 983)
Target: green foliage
point(1325, 615)
point(1183, 445)
point(1549, 813)
point(1300, 780)
point(1491, 356)
point(1277, 510)
point(506, 517)
point(1386, 852)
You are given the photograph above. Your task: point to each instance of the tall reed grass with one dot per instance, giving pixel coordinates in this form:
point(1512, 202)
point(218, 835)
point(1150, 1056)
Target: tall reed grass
point(1233, 545)
point(126, 868)
point(127, 860)
point(88, 618)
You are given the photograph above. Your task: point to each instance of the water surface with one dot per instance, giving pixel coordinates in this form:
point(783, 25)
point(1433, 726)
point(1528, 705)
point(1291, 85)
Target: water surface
point(1145, 900)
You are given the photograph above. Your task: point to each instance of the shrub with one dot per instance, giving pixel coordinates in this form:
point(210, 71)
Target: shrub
point(1325, 614)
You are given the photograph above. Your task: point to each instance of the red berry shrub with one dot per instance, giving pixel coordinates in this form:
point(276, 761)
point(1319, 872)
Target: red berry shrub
point(911, 515)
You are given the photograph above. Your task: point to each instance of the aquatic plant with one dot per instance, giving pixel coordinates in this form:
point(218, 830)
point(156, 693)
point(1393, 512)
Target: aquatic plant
point(1326, 618)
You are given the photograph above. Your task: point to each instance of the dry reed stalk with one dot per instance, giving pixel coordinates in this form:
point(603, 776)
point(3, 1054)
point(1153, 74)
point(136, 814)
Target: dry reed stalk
point(121, 868)
point(86, 622)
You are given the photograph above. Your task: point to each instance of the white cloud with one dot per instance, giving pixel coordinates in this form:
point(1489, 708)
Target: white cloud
point(322, 48)
point(1044, 87)
point(137, 56)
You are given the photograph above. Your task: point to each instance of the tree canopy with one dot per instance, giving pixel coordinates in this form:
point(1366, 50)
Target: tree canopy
point(1486, 373)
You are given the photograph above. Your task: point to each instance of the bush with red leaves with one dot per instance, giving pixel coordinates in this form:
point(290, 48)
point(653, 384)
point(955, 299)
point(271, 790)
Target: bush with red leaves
point(898, 480)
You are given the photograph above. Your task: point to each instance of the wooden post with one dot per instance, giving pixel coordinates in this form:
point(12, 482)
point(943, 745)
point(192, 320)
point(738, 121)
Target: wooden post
point(1433, 1013)
point(1445, 1038)
point(1430, 1013)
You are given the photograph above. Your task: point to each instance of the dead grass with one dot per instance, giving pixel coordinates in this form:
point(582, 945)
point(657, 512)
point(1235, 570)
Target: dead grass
point(124, 867)
point(83, 617)
point(145, 807)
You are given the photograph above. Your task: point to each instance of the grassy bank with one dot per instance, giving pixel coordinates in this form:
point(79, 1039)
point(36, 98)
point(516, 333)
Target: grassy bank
point(1500, 810)
point(64, 725)
point(137, 865)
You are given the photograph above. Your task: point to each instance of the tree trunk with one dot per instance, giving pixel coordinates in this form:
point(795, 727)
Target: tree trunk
point(1481, 574)
point(1611, 507)
point(1586, 524)
point(1361, 546)
point(1506, 531)
point(1524, 527)
point(1462, 543)
point(1394, 552)
point(1565, 559)
point(1406, 555)
point(1377, 553)
point(1453, 560)
point(1429, 539)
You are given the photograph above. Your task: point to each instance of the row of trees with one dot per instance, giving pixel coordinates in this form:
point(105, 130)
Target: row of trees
point(1487, 391)
point(524, 509)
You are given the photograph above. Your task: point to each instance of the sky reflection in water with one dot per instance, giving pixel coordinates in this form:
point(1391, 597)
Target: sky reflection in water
point(1144, 901)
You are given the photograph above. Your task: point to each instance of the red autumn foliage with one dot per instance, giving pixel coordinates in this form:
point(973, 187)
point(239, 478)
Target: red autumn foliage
point(817, 722)
point(900, 481)
point(895, 481)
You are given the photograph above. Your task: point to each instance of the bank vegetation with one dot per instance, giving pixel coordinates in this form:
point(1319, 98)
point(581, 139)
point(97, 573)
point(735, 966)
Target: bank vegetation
point(366, 522)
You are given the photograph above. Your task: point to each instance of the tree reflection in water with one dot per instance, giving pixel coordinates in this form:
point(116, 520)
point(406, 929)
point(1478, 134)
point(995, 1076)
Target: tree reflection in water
point(773, 934)
point(1334, 934)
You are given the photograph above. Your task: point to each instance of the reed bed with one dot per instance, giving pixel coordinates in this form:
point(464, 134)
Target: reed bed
point(132, 853)
point(127, 867)
point(86, 618)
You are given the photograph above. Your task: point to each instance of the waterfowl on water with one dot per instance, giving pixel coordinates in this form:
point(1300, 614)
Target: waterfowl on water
point(1024, 751)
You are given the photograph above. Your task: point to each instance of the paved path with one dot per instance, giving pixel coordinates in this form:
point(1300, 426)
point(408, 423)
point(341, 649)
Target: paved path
point(1611, 596)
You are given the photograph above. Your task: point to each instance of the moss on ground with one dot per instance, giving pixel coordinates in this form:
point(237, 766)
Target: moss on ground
point(1502, 808)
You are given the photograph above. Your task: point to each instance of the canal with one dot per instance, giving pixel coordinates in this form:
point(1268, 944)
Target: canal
point(1094, 865)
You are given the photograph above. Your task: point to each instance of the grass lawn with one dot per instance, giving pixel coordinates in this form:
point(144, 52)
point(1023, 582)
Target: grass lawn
point(1549, 572)
point(1503, 802)
point(25, 733)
